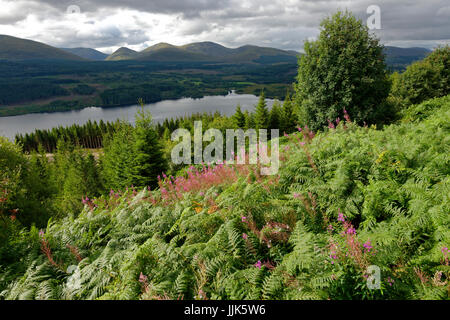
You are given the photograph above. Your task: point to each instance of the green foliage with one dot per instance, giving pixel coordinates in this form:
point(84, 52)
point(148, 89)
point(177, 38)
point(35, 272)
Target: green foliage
point(343, 69)
point(133, 156)
point(149, 159)
point(423, 80)
point(74, 175)
point(275, 116)
point(253, 239)
point(118, 160)
point(21, 190)
point(261, 119)
point(288, 117)
point(239, 118)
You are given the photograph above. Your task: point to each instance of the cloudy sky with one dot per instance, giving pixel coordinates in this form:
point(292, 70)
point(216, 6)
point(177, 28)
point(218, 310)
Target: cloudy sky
point(109, 24)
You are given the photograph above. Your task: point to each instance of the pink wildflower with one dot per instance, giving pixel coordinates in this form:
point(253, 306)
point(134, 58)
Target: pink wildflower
point(331, 125)
point(390, 281)
point(346, 116)
point(142, 278)
point(368, 246)
point(341, 216)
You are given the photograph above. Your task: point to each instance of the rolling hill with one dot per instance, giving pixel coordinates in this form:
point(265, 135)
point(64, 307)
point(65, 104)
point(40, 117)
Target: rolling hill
point(168, 52)
point(87, 53)
point(122, 54)
point(399, 58)
point(12, 48)
point(206, 51)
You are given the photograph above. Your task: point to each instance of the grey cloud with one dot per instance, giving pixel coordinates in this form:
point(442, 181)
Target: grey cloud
point(188, 7)
point(284, 24)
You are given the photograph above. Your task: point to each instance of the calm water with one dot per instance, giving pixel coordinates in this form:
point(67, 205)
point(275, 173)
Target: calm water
point(10, 126)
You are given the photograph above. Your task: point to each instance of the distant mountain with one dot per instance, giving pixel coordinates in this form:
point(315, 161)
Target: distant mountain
point(168, 52)
point(208, 48)
point(122, 54)
point(87, 53)
point(12, 48)
point(399, 58)
point(207, 51)
point(406, 52)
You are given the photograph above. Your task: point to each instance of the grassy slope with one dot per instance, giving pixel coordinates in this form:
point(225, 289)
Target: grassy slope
point(392, 185)
point(87, 53)
point(121, 54)
point(12, 48)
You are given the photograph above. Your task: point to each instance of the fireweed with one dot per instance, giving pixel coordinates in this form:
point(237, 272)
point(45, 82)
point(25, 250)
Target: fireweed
point(198, 180)
point(350, 249)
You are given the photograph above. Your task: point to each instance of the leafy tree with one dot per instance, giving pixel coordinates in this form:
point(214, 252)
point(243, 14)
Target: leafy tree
point(423, 80)
point(343, 69)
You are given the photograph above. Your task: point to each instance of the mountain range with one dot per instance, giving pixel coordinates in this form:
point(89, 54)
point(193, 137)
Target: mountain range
point(12, 48)
point(206, 51)
point(87, 53)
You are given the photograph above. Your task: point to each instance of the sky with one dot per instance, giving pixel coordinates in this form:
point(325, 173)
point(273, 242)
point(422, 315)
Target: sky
point(107, 25)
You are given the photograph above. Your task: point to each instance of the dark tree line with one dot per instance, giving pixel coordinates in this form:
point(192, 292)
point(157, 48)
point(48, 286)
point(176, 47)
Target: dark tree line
point(89, 136)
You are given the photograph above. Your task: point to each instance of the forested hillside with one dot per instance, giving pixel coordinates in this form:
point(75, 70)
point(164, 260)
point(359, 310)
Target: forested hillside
point(363, 182)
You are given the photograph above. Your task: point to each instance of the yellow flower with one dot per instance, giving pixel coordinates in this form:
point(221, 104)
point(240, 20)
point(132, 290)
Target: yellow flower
point(380, 157)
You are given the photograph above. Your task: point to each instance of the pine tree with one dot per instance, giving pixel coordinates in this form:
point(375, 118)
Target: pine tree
point(275, 116)
point(289, 120)
point(239, 117)
point(249, 120)
point(261, 113)
point(118, 160)
point(149, 157)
